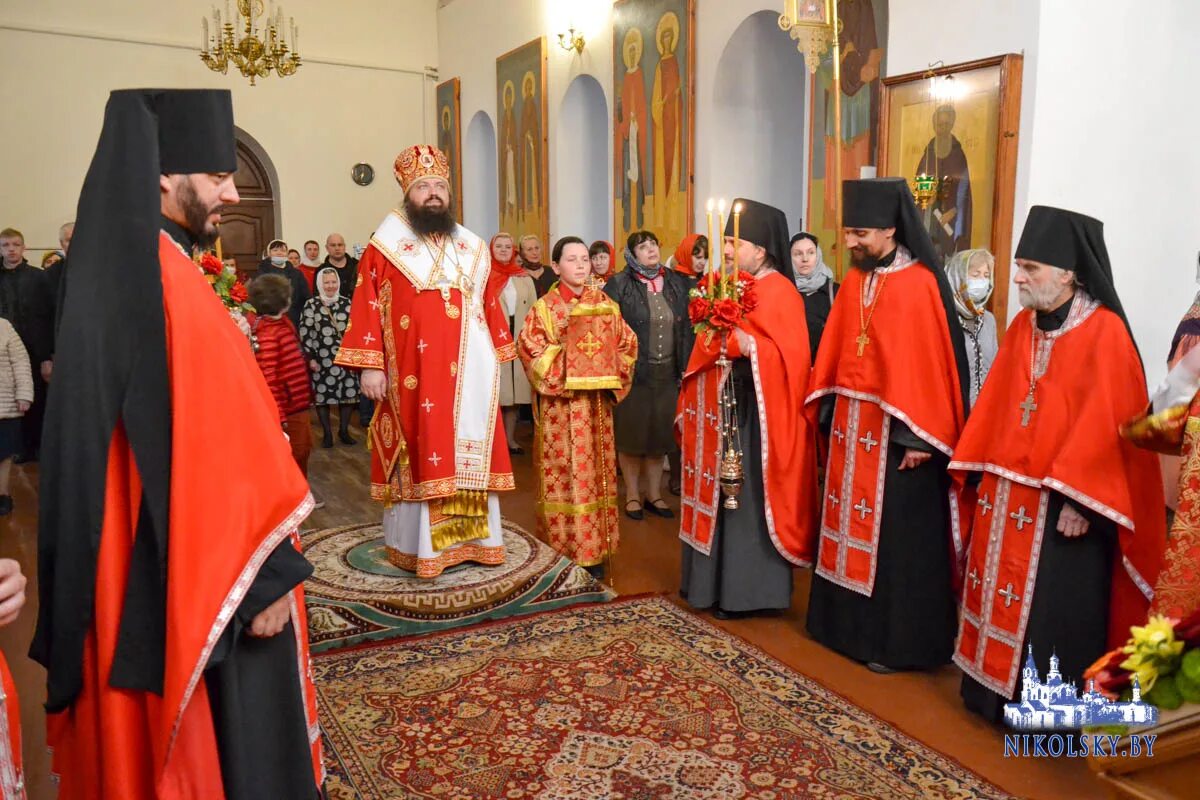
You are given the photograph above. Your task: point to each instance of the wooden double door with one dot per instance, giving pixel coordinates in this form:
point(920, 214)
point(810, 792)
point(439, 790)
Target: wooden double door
point(248, 227)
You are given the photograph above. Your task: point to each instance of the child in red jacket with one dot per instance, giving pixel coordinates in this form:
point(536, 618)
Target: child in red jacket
point(282, 362)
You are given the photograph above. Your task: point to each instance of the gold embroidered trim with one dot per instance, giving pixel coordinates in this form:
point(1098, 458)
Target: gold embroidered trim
point(362, 359)
point(593, 383)
point(432, 567)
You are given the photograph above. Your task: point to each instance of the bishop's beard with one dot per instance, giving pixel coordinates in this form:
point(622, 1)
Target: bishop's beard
point(426, 221)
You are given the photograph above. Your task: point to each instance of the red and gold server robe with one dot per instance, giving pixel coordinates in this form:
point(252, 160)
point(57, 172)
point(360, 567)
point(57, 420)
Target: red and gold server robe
point(779, 364)
point(421, 313)
point(579, 355)
point(1064, 440)
point(225, 523)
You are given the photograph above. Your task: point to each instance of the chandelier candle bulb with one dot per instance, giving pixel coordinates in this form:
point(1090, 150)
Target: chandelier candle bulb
point(204, 34)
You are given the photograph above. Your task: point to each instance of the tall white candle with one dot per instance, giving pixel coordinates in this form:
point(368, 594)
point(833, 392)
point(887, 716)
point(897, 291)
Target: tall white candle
point(204, 35)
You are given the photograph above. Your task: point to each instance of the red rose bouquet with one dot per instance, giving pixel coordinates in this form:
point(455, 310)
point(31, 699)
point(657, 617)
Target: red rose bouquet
point(225, 283)
point(720, 303)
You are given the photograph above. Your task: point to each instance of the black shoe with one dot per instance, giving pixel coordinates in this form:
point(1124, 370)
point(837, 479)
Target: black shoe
point(663, 510)
point(636, 513)
point(721, 613)
point(6, 505)
point(25, 458)
point(327, 440)
point(516, 450)
point(596, 571)
point(880, 669)
point(345, 438)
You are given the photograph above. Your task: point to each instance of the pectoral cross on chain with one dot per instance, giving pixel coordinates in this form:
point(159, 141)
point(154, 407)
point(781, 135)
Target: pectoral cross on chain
point(862, 341)
point(1027, 409)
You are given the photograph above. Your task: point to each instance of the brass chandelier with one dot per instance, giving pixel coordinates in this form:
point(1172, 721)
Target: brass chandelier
point(261, 48)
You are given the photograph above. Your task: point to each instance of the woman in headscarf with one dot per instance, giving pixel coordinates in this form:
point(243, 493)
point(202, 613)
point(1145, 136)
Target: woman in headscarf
point(517, 292)
point(691, 256)
point(602, 256)
point(654, 303)
point(322, 323)
point(970, 274)
point(815, 281)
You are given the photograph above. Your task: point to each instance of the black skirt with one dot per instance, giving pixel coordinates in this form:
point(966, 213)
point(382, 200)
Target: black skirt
point(644, 419)
point(11, 442)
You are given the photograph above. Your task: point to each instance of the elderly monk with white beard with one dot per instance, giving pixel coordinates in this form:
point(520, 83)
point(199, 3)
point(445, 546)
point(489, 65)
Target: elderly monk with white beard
point(429, 337)
point(1069, 523)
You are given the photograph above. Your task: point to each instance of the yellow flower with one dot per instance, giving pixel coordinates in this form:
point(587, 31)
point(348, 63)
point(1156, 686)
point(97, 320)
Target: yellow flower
point(1152, 650)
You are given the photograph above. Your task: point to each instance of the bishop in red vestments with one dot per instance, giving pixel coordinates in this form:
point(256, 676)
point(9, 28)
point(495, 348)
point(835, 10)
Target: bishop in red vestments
point(741, 560)
point(893, 357)
point(171, 620)
point(1069, 525)
point(428, 333)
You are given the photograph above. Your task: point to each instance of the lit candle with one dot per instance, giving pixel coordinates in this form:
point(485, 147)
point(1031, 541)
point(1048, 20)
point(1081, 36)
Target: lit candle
point(712, 265)
point(737, 224)
point(721, 236)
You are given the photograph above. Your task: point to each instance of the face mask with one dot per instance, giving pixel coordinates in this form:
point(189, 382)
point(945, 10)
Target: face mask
point(978, 289)
point(279, 261)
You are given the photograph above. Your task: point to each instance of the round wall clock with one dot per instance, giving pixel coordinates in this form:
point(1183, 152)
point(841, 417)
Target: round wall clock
point(363, 174)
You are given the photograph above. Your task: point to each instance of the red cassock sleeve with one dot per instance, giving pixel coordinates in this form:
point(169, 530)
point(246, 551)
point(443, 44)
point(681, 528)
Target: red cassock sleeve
point(362, 343)
point(1073, 445)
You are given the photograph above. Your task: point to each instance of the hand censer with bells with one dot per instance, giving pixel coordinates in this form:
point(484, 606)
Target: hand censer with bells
point(729, 472)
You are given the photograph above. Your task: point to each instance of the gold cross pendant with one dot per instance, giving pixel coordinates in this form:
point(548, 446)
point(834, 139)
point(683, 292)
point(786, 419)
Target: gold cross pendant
point(863, 340)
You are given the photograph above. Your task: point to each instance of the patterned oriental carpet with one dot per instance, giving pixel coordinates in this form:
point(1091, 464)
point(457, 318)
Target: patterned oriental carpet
point(355, 595)
point(635, 699)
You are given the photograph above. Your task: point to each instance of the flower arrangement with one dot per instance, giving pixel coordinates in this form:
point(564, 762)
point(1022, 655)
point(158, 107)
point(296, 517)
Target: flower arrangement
point(226, 284)
point(1164, 654)
point(718, 303)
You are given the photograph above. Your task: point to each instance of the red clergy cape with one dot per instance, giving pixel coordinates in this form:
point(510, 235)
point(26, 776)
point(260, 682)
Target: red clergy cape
point(416, 337)
point(1071, 446)
point(779, 359)
point(907, 371)
point(236, 494)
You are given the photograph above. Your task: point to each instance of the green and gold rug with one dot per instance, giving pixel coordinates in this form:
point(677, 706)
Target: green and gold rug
point(356, 595)
point(635, 699)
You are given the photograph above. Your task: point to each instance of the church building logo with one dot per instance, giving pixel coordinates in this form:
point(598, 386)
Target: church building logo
point(1056, 705)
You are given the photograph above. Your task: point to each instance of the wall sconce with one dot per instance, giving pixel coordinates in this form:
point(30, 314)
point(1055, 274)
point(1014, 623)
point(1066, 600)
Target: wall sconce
point(571, 40)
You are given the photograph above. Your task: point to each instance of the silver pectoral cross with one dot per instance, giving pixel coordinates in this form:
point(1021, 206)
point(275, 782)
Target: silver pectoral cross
point(1027, 409)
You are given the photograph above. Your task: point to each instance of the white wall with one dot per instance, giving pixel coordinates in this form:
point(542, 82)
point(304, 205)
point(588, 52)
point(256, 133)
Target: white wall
point(1115, 138)
point(584, 205)
point(481, 203)
point(61, 58)
point(759, 96)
